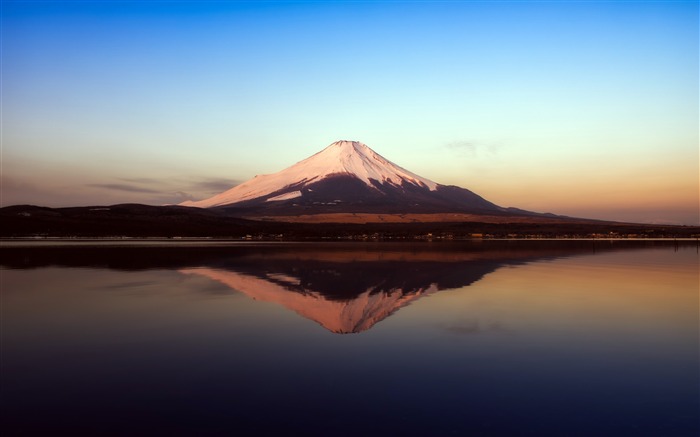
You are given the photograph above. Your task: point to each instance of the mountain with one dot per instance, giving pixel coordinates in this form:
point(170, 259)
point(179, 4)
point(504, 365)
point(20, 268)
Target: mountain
point(347, 176)
point(345, 191)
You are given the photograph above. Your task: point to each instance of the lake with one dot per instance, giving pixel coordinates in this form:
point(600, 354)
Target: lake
point(482, 338)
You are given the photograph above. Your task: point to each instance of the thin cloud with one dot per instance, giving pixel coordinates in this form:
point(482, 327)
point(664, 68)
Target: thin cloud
point(202, 185)
point(215, 185)
point(151, 191)
point(16, 191)
point(462, 145)
point(199, 189)
point(141, 180)
point(125, 187)
point(474, 148)
point(181, 196)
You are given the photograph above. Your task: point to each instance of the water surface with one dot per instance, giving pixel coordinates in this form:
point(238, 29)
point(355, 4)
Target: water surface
point(485, 338)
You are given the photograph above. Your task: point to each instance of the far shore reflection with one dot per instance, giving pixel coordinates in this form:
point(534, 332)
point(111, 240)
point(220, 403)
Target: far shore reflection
point(346, 288)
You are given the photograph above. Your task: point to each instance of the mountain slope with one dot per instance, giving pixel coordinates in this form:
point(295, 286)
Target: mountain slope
point(350, 158)
point(347, 176)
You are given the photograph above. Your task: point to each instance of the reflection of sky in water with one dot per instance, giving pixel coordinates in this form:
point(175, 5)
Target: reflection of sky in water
point(603, 344)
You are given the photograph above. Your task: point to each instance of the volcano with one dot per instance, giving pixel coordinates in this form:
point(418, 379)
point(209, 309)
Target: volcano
point(348, 177)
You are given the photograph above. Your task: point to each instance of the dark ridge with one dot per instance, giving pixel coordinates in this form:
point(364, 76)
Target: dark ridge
point(139, 221)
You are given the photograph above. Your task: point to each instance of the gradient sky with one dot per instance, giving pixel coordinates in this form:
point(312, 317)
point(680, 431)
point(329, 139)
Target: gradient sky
point(587, 109)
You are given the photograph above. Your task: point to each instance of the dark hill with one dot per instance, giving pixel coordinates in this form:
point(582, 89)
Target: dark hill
point(140, 221)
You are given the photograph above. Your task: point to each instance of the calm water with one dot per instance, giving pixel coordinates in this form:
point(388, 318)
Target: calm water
point(588, 338)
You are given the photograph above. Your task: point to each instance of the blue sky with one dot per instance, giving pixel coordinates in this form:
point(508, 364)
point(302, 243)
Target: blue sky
point(579, 108)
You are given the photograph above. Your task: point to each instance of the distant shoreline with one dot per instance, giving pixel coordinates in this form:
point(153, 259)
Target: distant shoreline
point(32, 241)
point(150, 223)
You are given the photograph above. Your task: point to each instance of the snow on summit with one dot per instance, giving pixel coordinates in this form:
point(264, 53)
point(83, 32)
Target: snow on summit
point(342, 157)
point(355, 158)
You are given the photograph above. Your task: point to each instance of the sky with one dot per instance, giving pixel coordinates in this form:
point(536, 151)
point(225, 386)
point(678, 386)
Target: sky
point(581, 108)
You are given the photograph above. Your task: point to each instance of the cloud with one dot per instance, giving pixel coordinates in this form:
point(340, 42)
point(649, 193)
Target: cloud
point(474, 148)
point(182, 188)
point(125, 187)
point(182, 196)
point(65, 190)
point(167, 190)
point(462, 145)
point(53, 193)
point(215, 185)
point(141, 180)
point(198, 189)
point(15, 191)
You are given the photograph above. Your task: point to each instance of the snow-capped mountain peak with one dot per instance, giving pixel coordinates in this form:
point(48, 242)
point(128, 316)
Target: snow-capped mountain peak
point(351, 158)
point(357, 159)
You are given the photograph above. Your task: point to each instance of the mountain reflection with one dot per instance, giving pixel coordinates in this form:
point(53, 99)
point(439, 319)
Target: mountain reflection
point(346, 288)
point(352, 314)
point(350, 290)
